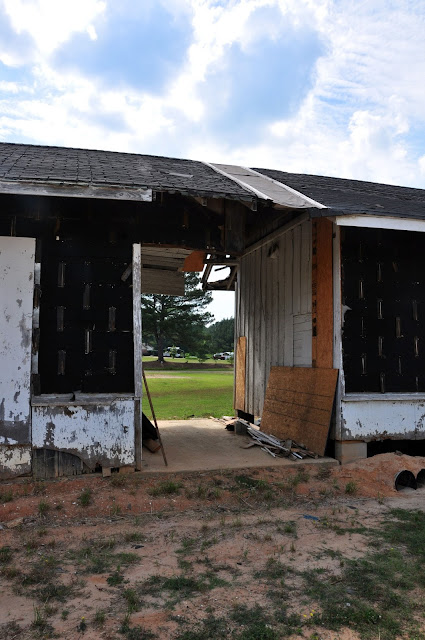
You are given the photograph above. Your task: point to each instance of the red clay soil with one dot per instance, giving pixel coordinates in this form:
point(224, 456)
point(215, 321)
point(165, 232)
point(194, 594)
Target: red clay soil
point(123, 495)
point(238, 521)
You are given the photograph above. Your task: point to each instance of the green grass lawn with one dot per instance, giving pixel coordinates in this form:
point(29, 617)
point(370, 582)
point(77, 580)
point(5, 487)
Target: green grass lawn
point(185, 394)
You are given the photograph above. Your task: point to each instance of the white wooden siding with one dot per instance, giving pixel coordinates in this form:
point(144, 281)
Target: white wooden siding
point(274, 309)
point(302, 340)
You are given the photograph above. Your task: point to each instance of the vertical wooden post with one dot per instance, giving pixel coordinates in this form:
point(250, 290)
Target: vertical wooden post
point(137, 344)
point(240, 372)
point(322, 294)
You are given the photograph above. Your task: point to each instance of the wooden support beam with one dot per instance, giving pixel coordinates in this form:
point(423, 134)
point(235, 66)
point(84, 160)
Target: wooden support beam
point(322, 294)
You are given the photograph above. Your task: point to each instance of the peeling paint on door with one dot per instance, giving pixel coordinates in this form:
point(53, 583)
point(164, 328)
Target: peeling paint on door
point(16, 305)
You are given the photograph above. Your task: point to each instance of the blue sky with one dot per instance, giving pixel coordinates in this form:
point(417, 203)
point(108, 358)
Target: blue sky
point(331, 87)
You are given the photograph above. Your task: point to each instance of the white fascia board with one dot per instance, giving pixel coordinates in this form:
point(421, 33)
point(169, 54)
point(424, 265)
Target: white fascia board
point(72, 190)
point(380, 222)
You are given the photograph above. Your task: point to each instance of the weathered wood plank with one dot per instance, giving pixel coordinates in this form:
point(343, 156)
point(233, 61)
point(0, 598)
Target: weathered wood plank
point(273, 292)
point(296, 272)
point(240, 373)
point(306, 267)
point(302, 340)
point(288, 356)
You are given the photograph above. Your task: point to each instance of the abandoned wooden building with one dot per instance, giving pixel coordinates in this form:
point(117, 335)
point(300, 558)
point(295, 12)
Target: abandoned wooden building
point(327, 272)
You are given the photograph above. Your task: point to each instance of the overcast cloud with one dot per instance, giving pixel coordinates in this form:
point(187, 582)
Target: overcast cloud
point(331, 87)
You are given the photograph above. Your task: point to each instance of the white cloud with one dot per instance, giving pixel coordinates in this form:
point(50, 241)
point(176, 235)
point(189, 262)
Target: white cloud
point(367, 96)
point(50, 23)
point(358, 118)
point(92, 32)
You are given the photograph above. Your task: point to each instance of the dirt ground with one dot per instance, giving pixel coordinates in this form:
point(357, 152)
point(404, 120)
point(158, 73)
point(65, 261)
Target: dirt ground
point(133, 556)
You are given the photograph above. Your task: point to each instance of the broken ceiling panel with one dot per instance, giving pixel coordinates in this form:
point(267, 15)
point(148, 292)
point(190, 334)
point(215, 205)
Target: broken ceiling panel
point(163, 281)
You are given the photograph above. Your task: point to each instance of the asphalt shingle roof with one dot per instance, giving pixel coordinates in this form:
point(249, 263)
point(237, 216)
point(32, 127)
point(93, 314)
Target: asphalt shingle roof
point(53, 165)
point(24, 163)
point(354, 196)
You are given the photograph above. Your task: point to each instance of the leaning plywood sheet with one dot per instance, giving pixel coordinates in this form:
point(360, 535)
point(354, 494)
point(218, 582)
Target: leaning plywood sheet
point(298, 405)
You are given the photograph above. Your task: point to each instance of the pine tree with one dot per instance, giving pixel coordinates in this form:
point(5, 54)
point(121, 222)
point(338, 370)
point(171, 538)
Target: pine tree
point(179, 319)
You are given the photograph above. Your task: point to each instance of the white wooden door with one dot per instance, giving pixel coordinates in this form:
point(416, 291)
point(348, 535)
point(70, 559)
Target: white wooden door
point(16, 308)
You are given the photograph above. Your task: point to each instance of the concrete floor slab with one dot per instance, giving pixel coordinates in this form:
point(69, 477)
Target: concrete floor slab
point(205, 445)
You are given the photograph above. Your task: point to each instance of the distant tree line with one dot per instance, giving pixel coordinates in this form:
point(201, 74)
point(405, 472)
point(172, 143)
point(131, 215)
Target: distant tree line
point(184, 322)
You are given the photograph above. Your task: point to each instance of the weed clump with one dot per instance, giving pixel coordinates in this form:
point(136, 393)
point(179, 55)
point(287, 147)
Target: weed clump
point(99, 618)
point(165, 488)
point(85, 498)
point(351, 488)
point(6, 496)
point(324, 472)
point(115, 578)
point(43, 508)
point(5, 555)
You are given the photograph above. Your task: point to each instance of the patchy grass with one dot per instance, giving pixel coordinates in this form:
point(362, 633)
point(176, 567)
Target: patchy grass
point(373, 585)
point(185, 394)
point(180, 587)
point(273, 570)
point(165, 488)
point(253, 624)
point(375, 594)
point(98, 557)
point(136, 633)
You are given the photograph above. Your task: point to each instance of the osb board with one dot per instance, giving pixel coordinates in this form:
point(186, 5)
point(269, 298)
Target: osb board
point(240, 374)
point(298, 405)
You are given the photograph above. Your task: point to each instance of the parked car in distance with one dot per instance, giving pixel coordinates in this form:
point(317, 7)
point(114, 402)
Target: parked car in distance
point(178, 353)
point(223, 355)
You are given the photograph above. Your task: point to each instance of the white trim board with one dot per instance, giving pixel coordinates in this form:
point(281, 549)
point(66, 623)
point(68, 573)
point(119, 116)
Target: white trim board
point(380, 222)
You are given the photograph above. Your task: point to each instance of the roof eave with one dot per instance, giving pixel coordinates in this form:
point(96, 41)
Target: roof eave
point(107, 191)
